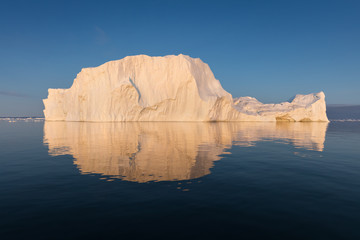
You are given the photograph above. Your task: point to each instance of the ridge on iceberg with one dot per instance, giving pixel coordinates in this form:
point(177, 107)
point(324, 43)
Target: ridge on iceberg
point(170, 88)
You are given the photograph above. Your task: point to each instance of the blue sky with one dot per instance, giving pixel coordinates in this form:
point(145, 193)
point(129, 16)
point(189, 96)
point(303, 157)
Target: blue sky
point(270, 50)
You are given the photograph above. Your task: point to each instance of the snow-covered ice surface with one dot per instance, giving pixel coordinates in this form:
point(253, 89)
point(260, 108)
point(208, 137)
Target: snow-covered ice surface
point(170, 88)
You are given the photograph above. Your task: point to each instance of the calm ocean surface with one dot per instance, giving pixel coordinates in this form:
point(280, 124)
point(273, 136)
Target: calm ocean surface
point(73, 180)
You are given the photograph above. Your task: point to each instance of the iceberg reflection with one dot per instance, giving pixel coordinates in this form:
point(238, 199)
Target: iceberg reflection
point(167, 151)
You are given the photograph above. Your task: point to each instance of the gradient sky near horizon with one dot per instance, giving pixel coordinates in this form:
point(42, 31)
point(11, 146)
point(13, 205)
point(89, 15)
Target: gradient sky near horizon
point(270, 50)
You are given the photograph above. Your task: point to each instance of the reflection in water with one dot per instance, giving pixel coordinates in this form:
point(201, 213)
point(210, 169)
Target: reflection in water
point(150, 151)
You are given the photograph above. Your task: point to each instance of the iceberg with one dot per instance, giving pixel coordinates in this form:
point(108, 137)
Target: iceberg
point(169, 88)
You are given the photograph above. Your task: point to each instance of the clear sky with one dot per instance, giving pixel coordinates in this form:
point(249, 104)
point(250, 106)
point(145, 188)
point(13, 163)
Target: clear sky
point(270, 50)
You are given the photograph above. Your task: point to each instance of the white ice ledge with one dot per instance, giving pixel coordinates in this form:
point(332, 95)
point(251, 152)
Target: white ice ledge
point(170, 88)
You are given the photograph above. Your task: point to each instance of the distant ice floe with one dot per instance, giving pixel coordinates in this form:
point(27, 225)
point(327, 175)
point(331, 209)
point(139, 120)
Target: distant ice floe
point(22, 119)
point(345, 120)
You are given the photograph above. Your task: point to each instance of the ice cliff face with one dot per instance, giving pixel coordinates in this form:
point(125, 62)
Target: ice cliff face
point(170, 88)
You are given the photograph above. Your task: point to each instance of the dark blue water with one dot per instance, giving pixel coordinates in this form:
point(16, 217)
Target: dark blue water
point(344, 112)
point(179, 180)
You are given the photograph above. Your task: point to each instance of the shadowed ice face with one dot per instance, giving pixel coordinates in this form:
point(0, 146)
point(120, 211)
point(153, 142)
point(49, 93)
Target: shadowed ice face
point(153, 151)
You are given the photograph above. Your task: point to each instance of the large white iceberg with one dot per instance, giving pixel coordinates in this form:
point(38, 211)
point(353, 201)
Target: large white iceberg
point(170, 88)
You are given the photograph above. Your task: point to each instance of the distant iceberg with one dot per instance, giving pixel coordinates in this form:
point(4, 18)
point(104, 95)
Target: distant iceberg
point(170, 88)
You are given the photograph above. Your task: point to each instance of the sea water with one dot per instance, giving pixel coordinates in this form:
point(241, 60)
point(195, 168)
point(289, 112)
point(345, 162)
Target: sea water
point(71, 180)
